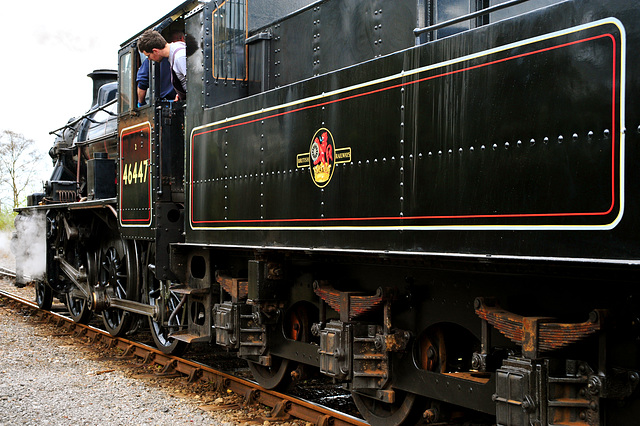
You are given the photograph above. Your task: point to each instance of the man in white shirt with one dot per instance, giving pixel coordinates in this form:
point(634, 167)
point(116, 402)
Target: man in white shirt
point(156, 48)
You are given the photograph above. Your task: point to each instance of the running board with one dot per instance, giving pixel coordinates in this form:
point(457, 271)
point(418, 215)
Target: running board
point(189, 338)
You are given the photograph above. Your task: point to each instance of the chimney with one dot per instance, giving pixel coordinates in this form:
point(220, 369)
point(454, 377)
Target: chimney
point(99, 78)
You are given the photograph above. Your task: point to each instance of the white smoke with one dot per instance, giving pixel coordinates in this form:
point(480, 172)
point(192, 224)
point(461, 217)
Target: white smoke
point(6, 256)
point(28, 244)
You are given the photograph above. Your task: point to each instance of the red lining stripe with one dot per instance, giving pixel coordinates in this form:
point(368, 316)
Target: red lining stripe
point(479, 216)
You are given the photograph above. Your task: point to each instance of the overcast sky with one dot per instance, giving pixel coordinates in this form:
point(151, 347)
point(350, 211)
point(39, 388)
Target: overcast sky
point(51, 46)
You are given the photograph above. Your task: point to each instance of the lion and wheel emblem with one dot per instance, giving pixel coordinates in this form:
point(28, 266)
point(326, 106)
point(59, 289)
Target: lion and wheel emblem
point(323, 157)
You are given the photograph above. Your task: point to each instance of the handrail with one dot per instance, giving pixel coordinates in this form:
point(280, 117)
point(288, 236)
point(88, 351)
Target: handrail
point(419, 31)
point(86, 115)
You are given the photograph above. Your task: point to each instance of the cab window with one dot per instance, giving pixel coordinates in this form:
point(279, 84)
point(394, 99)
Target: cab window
point(225, 51)
point(517, 9)
point(125, 83)
point(450, 9)
point(439, 11)
point(229, 34)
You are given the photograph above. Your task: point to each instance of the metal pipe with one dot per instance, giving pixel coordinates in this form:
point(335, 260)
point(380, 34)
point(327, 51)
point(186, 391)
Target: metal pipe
point(481, 12)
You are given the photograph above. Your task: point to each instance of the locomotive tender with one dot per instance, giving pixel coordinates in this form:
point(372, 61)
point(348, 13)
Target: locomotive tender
point(433, 202)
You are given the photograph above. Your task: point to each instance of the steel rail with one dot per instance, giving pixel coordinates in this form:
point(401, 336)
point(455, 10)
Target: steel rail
point(282, 405)
point(7, 272)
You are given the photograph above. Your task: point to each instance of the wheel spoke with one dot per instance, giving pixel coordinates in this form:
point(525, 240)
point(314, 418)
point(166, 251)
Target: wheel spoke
point(173, 312)
point(118, 276)
point(78, 306)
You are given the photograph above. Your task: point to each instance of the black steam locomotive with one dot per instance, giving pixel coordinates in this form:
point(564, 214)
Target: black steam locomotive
point(432, 202)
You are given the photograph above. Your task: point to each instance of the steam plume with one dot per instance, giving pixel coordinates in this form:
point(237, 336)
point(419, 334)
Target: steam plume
point(28, 245)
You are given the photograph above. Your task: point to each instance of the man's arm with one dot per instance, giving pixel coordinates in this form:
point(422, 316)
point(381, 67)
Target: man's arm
point(142, 94)
point(142, 80)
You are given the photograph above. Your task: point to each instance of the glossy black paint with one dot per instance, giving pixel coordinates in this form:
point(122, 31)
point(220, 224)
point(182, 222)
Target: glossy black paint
point(441, 173)
point(471, 156)
point(327, 37)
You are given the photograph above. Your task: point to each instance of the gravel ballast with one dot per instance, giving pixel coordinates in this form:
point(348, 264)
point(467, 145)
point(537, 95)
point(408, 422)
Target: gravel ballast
point(52, 379)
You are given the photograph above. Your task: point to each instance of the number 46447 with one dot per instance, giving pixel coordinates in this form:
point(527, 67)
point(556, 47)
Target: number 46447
point(135, 172)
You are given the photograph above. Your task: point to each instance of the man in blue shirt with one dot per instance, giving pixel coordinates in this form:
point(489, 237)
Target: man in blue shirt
point(142, 80)
point(155, 47)
point(166, 86)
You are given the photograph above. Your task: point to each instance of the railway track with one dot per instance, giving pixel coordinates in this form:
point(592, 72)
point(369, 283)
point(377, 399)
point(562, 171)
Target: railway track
point(283, 406)
point(7, 272)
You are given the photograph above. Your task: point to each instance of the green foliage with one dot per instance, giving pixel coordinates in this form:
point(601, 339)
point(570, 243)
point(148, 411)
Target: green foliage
point(6, 220)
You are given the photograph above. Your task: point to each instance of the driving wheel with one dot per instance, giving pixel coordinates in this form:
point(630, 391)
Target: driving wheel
point(118, 276)
point(79, 306)
point(44, 295)
point(173, 311)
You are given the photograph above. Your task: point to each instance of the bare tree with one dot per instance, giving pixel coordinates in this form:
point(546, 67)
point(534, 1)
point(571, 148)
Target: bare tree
point(19, 161)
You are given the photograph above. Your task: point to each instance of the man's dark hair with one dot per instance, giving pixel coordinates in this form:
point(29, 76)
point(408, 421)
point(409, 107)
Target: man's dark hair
point(175, 36)
point(150, 40)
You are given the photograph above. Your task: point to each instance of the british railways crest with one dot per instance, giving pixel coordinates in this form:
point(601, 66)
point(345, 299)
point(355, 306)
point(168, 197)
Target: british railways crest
point(323, 157)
